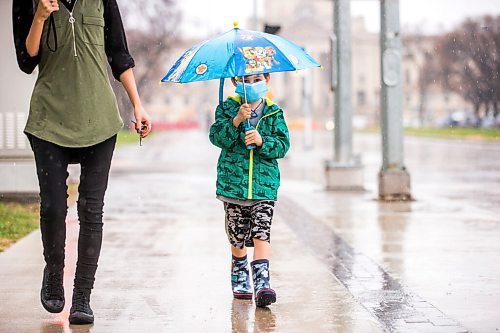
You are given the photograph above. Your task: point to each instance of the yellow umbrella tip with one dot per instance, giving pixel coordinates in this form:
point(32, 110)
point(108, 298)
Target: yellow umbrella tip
point(235, 24)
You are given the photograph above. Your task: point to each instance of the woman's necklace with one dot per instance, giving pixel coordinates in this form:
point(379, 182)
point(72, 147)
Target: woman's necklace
point(72, 21)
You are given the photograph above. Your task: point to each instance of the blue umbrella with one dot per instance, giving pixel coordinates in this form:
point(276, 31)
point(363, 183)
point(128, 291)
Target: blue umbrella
point(237, 53)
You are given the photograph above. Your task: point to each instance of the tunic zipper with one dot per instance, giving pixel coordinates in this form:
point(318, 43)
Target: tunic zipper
point(72, 21)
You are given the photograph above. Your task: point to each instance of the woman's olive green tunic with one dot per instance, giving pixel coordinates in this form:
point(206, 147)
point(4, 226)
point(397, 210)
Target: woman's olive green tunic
point(73, 104)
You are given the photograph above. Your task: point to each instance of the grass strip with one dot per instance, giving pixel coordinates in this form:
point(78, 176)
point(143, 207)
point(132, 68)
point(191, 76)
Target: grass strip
point(16, 221)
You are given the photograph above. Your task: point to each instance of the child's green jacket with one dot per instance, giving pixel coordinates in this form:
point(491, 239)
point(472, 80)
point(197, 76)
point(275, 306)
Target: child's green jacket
point(243, 173)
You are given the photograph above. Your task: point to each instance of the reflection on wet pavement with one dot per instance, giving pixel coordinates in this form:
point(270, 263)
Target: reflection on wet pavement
point(383, 296)
point(442, 246)
point(265, 320)
point(245, 317)
point(53, 327)
point(64, 327)
point(240, 315)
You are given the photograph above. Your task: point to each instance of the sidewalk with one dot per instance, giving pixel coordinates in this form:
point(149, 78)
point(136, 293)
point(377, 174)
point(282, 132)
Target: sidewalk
point(341, 261)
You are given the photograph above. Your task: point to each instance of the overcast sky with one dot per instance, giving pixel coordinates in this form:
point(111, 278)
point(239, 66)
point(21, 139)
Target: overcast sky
point(429, 15)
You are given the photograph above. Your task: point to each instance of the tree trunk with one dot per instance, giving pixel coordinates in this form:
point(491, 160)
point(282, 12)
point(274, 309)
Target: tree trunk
point(477, 108)
point(421, 108)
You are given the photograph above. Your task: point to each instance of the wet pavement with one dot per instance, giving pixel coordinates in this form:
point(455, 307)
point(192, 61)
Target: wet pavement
point(342, 261)
point(442, 247)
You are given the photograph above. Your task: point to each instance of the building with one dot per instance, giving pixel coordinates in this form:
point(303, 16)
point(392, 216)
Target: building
point(310, 24)
point(17, 168)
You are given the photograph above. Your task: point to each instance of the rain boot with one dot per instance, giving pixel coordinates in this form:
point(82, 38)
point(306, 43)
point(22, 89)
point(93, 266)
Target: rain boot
point(240, 278)
point(80, 312)
point(264, 295)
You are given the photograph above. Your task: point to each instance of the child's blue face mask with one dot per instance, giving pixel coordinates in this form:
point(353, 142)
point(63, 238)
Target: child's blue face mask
point(255, 91)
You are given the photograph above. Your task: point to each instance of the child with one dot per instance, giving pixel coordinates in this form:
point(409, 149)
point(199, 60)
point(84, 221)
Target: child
point(248, 180)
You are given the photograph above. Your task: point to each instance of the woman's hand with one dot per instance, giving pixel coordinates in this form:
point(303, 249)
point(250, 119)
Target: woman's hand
point(243, 114)
point(253, 137)
point(45, 8)
point(43, 11)
point(142, 121)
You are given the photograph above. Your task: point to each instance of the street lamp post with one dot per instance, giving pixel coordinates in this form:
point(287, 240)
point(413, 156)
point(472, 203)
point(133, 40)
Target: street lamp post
point(394, 179)
point(345, 172)
point(306, 110)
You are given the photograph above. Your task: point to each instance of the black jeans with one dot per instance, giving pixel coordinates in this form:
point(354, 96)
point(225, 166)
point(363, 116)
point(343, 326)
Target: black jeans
point(52, 169)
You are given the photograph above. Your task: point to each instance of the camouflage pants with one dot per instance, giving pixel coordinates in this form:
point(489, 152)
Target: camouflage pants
point(244, 223)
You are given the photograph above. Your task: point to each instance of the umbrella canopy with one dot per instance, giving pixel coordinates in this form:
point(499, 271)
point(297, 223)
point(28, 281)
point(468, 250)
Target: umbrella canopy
point(238, 52)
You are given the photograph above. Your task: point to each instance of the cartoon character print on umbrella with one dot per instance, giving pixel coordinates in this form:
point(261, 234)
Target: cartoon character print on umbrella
point(269, 58)
point(258, 58)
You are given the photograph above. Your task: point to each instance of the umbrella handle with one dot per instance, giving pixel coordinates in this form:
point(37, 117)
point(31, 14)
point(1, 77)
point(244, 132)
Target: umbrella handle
point(221, 91)
point(248, 126)
point(245, 100)
point(244, 91)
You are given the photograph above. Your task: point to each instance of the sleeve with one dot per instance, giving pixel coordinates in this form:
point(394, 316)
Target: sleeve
point(223, 134)
point(22, 18)
point(276, 145)
point(115, 41)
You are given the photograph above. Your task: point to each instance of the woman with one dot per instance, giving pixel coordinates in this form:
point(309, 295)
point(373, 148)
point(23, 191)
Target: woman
point(73, 118)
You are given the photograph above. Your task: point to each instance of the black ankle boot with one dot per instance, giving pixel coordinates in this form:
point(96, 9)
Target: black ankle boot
point(52, 293)
point(80, 312)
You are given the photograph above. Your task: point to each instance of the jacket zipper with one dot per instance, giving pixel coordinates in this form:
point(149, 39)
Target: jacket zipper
point(250, 165)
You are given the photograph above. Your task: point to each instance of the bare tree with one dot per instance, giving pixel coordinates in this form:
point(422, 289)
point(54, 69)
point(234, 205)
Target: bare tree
point(419, 50)
point(426, 78)
point(470, 62)
point(151, 28)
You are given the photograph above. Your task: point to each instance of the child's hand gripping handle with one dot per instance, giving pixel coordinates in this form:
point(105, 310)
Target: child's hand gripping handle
point(249, 127)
